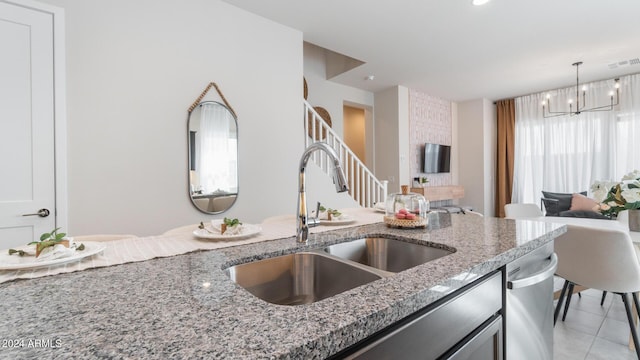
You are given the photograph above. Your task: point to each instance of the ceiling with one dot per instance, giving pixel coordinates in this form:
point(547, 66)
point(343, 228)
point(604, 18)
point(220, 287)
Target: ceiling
point(457, 51)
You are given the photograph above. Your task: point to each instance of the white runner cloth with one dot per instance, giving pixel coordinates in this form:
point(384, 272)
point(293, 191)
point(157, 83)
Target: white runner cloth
point(144, 248)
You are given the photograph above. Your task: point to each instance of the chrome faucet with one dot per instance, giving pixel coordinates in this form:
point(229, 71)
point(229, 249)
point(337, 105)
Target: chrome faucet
point(304, 222)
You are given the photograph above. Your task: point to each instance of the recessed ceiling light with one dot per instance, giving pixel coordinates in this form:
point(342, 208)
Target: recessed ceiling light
point(370, 77)
point(479, 2)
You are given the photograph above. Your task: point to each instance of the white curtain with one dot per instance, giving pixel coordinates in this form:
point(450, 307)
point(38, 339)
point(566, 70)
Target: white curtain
point(568, 153)
point(218, 158)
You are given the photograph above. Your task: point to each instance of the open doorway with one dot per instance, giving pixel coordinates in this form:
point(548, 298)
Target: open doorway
point(358, 131)
point(358, 136)
point(355, 131)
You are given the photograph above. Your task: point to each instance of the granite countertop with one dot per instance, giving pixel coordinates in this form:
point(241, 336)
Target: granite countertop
point(186, 307)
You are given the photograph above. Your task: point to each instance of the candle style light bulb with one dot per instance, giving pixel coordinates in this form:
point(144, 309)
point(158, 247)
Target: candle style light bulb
point(584, 88)
point(548, 96)
point(570, 101)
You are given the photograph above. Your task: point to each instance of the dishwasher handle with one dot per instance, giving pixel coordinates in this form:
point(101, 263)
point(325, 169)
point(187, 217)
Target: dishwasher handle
point(537, 277)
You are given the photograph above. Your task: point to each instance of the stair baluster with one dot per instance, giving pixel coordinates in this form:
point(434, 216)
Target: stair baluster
point(364, 187)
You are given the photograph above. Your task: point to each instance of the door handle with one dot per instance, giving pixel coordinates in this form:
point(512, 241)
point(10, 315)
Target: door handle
point(41, 213)
point(536, 278)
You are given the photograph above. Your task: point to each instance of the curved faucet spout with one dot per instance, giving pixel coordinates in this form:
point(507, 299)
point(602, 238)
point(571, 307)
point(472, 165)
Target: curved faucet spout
point(303, 221)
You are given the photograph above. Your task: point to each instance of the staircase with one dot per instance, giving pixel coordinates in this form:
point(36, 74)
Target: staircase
point(364, 187)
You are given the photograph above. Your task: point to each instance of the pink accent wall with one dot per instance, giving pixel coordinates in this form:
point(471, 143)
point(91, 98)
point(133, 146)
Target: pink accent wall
point(429, 122)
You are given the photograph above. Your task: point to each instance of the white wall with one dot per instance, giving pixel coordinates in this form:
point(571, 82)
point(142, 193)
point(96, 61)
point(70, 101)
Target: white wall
point(476, 162)
point(403, 137)
point(392, 137)
point(327, 94)
point(320, 187)
point(471, 145)
point(134, 68)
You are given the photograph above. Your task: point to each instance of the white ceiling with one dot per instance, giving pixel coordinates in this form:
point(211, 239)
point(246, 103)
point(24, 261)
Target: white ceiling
point(457, 51)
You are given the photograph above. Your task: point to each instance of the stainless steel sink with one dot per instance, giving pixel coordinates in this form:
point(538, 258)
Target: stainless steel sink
point(307, 277)
point(386, 254)
point(299, 278)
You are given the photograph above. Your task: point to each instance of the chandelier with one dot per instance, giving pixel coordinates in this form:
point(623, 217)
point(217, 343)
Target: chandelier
point(580, 107)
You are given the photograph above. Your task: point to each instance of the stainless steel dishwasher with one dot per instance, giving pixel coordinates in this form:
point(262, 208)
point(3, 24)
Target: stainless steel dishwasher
point(529, 305)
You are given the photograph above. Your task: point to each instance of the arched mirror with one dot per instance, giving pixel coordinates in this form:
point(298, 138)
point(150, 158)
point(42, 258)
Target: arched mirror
point(213, 157)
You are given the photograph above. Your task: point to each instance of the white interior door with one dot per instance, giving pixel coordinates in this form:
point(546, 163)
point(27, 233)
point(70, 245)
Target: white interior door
point(27, 153)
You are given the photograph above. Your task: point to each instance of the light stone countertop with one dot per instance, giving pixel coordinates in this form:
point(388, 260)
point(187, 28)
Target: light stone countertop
point(186, 307)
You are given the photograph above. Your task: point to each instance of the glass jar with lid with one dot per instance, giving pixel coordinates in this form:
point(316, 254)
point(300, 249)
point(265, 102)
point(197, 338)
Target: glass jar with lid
point(406, 210)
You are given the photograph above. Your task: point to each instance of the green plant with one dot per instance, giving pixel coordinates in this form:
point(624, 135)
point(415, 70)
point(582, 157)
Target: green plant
point(52, 236)
point(332, 212)
point(48, 239)
point(201, 226)
point(226, 223)
point(14, 251)
point(232, 222)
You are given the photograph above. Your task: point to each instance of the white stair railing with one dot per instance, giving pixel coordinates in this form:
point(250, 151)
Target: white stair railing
point(364, 187)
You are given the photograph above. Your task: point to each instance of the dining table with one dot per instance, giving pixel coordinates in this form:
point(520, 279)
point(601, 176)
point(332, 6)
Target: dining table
point(621, 223)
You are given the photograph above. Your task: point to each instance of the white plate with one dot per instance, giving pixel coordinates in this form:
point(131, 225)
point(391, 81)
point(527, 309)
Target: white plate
point(342, 221)
point(17, 262)
point(247, 230)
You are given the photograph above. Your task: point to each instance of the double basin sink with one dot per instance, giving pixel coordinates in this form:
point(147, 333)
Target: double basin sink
point(310, 276)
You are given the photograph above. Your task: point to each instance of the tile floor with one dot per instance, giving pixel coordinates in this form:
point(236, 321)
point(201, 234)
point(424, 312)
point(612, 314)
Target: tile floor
point(591, 331)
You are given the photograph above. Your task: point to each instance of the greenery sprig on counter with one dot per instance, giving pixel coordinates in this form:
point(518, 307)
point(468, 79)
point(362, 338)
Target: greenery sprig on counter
point(332, 212)
point(231, 222)
point(202, 227)
point(14, 251)
point(47, 240)
point(226, 223)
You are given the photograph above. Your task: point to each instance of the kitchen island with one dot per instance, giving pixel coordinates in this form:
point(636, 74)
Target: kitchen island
point(187, 307)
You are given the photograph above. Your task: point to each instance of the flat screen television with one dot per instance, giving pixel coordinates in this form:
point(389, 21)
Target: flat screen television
point(437, 158)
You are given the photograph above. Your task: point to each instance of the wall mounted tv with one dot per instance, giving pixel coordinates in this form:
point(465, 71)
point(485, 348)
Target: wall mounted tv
point(437, 158)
